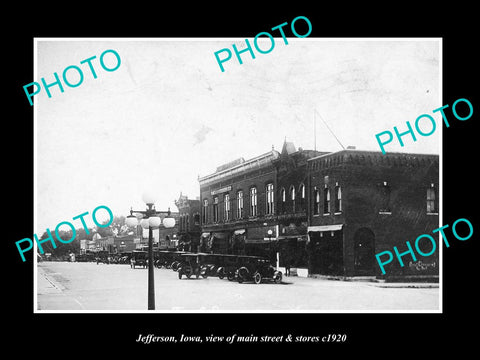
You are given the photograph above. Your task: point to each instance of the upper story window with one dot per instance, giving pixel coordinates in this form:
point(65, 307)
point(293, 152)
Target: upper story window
point(205, 211)
point(270, 199)
point(301, 191)
point(326, 200)
point(253, 201)
point(338, 198)
point(283, 199)
point(215, 209)
point(196, 219)
point(239, 204)
point(432, 204)
point(316, 201)
point(226, 208)
point(292, 197)
point(385, 198)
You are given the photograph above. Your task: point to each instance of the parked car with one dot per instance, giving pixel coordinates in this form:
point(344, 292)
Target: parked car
point(189, 265)
point(139, 258)
point(210, 264)
point(257, 269)
point(228, 266)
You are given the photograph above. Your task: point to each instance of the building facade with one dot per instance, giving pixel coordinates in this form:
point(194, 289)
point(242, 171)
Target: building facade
point(365, 202)
point(324, 213)
point(189, 226)
point(238, 207)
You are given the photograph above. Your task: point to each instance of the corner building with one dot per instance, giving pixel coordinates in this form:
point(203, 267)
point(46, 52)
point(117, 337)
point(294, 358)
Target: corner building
point(325, 213)
point(363, 203)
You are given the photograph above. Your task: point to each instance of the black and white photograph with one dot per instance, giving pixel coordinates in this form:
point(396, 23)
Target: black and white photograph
point(271, 172)
point(272, 182)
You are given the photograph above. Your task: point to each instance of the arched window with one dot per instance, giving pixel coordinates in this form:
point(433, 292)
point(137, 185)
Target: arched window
point(215, 209)
point(302, 197)
point(385, 198)
point(292, 197)
point(338, 198)
point(316, 201)
point(253, 201)
point(226, 204)
point(326, 200)
point(283, 198)
point(239, 204)
point(270, 199)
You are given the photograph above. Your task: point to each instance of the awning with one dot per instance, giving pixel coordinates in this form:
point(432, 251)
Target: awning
point(293, 237)
point(220, 235)
point(239, 232)
point(325, 228)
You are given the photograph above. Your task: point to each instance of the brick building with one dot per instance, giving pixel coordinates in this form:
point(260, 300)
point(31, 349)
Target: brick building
point(362, 203)
point(189, 227)
point(322, 212)
point(238, 206)
point(292, 205)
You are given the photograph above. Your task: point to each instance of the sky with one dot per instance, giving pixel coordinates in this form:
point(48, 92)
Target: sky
point(168, 114)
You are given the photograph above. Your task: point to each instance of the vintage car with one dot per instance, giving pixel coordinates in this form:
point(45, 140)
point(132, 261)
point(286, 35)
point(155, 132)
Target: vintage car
point(168, 259)
point(227, 266)
point(139, 258)
point(210, 264)
point(103, 257)
point(189, 265)
point(257, 269)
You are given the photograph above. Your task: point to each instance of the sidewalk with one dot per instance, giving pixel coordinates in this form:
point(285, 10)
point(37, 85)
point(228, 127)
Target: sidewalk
point(373, 281)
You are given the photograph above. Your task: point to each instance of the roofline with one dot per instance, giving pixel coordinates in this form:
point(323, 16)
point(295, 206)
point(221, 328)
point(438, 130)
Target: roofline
point(369, 152)
point(249, 161)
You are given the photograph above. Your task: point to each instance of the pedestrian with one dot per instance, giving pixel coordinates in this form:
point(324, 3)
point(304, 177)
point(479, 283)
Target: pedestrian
point(287, 267)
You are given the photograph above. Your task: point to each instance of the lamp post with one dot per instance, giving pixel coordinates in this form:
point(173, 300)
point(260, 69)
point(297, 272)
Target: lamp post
point(150, 220)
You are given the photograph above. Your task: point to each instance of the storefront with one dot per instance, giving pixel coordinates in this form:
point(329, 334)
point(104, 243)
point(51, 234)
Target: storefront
point(292, 252)
point(325, 250)
point(238, 242)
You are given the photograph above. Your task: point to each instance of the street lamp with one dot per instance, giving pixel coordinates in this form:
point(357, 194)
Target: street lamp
point(149, 219)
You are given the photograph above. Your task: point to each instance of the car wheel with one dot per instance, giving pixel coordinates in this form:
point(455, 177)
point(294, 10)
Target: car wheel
point(180, 274)
point(257, 278)
point(277, 277)
point(231, 276)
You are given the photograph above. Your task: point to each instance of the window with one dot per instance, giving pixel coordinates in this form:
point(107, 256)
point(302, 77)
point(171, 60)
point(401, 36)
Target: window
point(187, 222)
point(270, 199)
point(196, 219)
point(316, 202)
point(432, 200)
point(205, 211)
point(239, 204)
point(338, 198)
point(302, 196)
point(283, 197)
point(226, 203)
point(385, 198)
point(292, 197)
point(253, 201)
point(215, 209)
point(326, 200)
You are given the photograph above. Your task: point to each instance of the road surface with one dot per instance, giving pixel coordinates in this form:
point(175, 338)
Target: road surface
point(67, 286)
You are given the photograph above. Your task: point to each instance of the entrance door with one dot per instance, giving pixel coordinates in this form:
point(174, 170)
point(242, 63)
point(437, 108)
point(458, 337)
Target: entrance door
point(326, 252)
point(364, 251)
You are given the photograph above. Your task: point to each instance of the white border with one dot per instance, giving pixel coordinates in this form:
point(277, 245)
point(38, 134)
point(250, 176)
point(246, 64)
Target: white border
point(34, 252)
